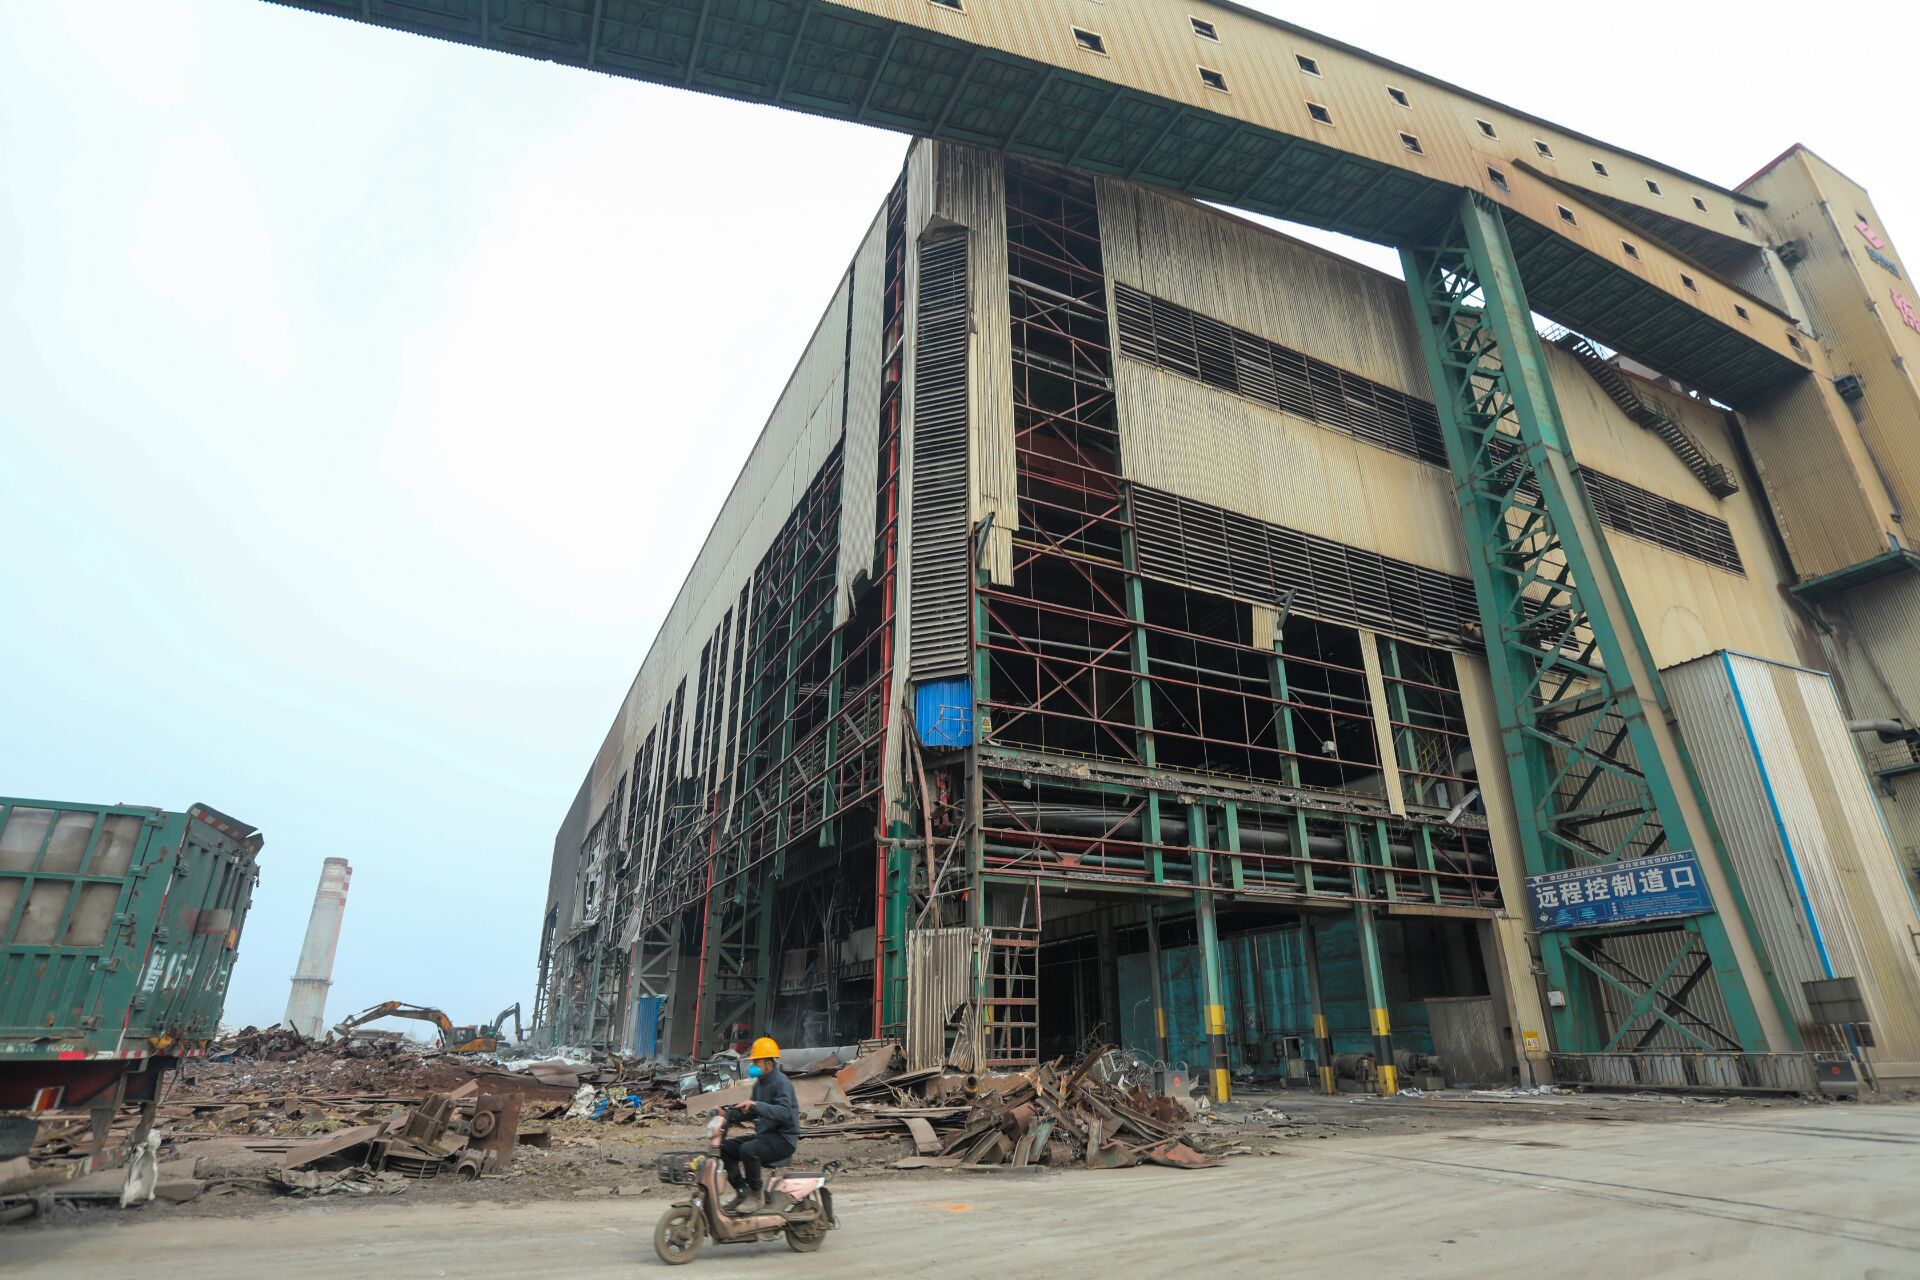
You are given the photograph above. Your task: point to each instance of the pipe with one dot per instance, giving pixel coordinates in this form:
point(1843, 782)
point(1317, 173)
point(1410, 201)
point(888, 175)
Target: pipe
point(1888, 730)
point(1075, 821)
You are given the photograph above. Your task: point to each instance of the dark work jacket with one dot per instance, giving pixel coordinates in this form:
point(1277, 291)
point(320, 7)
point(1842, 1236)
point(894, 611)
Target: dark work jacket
point(775, 1109)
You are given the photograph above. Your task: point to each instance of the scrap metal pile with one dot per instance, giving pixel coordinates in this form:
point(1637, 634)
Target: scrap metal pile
point(360, 1116)
point(1091, 1114)
point(1046, 1115)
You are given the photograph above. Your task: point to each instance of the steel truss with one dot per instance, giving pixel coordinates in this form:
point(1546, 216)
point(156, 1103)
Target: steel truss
point(1572, 675)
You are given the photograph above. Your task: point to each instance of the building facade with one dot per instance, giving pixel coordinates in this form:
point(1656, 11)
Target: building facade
point(1095, 648)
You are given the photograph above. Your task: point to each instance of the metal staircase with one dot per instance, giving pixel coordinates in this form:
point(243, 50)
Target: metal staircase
point(1620, 389)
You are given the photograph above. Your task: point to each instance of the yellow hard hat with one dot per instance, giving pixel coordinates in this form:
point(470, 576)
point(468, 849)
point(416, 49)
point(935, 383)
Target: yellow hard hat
point(764, 1047)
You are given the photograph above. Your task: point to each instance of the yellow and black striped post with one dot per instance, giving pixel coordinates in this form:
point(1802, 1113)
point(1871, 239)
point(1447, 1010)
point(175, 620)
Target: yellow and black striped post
point(1322, 1038)
point(1217, 1059)
point(1384, 1073)
point(1161, 1051)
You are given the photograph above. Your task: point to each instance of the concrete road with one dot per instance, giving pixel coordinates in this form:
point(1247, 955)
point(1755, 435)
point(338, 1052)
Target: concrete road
point(1801, 1192)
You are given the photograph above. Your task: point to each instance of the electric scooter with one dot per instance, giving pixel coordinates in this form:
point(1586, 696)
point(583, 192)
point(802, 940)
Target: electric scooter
point(798, 1205)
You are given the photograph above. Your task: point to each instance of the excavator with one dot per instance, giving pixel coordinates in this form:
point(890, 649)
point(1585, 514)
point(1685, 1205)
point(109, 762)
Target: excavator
point(484, 1038)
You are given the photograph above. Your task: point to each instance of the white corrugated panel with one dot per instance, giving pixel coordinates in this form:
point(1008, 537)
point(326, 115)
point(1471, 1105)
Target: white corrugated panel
point(860, 464)
point(1805, 833)
point(1189, 439)
point(1251, 278)
point(971, 191)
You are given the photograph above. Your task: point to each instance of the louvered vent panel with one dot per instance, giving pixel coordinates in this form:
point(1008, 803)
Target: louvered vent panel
point(1210, 549)
point(939, 547)
point(1181, 341)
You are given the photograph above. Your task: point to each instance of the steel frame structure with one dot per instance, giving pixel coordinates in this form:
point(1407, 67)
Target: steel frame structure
point(1134, 736)
point(1573, 679)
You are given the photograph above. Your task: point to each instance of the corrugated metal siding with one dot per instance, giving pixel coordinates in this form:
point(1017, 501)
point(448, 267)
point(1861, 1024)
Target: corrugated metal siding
point(1879, 642)
point(1830, 506)
point(1804, 831)
point(1737, 793)
point(1850, 303)
point(860, 461)
point(937, 544)
point(940, 973)
point(970, 190)
point(1245, 276)
point(1189, 439)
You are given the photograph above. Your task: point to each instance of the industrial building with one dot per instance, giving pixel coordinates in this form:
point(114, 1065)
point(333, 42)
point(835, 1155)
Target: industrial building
point(1135, 625)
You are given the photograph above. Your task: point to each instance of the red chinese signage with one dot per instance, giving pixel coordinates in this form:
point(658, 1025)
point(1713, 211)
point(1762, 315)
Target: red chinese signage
point(1904, 305)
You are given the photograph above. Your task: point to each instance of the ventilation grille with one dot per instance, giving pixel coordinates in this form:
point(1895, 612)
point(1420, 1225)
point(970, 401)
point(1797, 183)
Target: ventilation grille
point(1213, 549)
point(1182, 341)
point(1629, 509)
point(939, 505)
point(1245, 364)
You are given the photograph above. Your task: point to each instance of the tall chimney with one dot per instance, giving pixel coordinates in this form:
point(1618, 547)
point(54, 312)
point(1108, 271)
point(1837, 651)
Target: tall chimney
point(307, 1006)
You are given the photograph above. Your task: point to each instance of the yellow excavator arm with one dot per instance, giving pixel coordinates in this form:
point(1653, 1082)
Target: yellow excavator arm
point(481, 1039)
point(396, 1009)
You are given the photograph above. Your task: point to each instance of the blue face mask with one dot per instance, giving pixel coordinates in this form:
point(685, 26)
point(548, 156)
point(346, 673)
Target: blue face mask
point(753, 1068)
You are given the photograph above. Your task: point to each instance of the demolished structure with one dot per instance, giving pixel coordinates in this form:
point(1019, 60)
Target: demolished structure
point(1134, 624)
point(307, 1002)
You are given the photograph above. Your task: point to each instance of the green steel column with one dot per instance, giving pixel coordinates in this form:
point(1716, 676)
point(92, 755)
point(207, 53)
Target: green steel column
point(836, 692)
point(1162, 1051)
point(1571, 673)
point(765, 975)
point(1376, 980)
point(898, 852)
point(1109, 967)
point(1137, 645)
point(1322, 1037)
point(1214, 988)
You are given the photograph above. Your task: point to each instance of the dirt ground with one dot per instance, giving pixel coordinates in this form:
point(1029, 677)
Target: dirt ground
point(1428, 1187)
point(593, 1160)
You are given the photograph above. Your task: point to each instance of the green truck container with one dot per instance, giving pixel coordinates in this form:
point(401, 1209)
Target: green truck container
point(118, 930)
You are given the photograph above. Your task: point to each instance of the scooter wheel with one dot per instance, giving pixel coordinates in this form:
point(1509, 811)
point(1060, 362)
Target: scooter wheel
point(806, 1239)
point(678, 1235)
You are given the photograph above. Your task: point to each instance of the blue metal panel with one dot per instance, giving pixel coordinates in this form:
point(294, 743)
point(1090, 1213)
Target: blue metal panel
point(646, 1026)
point(943, 712)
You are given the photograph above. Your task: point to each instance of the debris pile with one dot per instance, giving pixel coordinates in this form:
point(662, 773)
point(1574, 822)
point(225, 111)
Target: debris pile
point(1046, 1115)
point(466, 1133)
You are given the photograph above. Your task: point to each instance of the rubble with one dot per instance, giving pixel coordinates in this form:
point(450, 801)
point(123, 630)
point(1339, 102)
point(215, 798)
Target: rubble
point(271, 1112)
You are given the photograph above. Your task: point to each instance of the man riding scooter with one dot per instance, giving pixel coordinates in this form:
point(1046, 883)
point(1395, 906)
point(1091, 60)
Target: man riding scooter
point(775, 1113)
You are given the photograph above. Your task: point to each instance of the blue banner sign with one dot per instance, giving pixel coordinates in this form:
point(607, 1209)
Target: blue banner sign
point(1666, 884)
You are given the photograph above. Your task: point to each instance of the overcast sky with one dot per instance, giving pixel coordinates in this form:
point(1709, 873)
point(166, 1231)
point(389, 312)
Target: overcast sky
point(364, 398)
